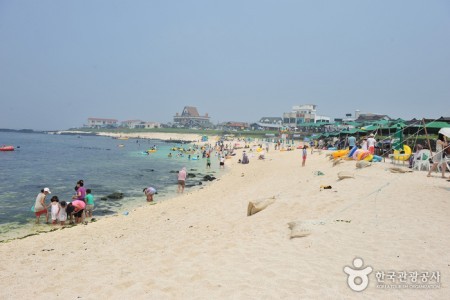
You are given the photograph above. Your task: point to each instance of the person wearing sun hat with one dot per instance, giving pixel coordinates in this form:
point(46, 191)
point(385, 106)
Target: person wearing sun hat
point(40, 207)
point(371, 141)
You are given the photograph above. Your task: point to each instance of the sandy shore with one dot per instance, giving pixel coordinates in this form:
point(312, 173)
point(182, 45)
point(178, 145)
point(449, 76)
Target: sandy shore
point(202, 245)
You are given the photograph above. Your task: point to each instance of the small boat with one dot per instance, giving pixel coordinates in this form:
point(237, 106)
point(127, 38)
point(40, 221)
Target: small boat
point(6, 148)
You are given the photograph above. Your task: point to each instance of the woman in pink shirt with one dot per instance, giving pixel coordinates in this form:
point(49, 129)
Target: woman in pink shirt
point(76, 208)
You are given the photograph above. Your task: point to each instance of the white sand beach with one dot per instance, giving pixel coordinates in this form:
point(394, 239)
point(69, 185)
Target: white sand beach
point(202, 244)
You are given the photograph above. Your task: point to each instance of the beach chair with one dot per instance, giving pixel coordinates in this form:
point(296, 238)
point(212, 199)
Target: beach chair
point(422, 160)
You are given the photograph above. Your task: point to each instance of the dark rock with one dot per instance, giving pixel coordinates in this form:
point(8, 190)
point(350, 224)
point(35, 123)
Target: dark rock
point(115, 195)
point(209, 178)
point(191, 175)
point(103, 198)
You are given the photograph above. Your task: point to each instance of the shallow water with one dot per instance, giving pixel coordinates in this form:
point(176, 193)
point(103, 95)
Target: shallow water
point(59, 161)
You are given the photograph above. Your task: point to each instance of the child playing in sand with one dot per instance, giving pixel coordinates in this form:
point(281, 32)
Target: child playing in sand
point(55, 209)
point(62, 212)
point(89, 203)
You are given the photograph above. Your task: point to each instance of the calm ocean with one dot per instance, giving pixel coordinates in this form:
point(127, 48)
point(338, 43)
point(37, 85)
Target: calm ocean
point(59, 161)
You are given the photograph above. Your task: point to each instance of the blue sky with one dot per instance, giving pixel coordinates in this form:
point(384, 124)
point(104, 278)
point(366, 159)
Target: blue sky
point(64, 61)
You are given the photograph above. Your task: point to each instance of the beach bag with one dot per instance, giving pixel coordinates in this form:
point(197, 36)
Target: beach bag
point(32, 209)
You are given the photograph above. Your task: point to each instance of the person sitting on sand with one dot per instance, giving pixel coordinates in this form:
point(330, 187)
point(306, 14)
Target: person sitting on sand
point(245, 159)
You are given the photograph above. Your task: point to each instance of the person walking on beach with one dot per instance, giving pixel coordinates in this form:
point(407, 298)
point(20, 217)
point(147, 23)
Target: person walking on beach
point(39, 206)
point(371, 141)
point(182, 174)
point(222, 162)
point(304, 155)
point(351, 142)
point(438, 157)
point(208, 161)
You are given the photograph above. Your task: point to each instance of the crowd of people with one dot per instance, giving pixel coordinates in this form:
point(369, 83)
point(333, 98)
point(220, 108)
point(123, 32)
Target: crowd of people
point(77, 210)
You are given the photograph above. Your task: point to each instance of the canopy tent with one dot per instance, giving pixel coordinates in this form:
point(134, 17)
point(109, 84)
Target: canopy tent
point(437, 124)
point(351, 131)
point(372, 127)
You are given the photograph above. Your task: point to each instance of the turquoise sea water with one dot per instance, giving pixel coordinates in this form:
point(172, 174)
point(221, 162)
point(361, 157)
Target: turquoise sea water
point(59, 161)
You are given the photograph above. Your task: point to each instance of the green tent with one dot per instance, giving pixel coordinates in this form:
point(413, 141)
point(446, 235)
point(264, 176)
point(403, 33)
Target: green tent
point(397, 141)
point(437, 124)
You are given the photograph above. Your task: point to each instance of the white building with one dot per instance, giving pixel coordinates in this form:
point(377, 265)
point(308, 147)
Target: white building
point(305, 113)
point(101, 123)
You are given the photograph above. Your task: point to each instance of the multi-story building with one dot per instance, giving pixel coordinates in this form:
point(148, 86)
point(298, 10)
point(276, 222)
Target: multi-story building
point(305, 113)
point(191, 118)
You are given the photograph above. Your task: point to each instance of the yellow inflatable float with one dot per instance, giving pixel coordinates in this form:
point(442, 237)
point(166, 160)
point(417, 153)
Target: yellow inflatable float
point(340, 153)
point(403, 156)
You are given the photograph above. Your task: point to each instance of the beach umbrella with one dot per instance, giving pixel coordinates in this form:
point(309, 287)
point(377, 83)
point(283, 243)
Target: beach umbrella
point(445, 131)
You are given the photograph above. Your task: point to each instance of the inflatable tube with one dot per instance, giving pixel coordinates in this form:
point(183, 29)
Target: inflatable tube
point(339, 153)
point(356, 154)
point(363, 154)
point(194, 158)
point(332, 148)
point(377, 158)
point(352, 151)
point(369, 157)
point(403, 156)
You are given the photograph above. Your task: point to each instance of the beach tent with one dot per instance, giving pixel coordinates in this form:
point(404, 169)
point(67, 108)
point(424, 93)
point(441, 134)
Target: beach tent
point(437, 124)
point(372, 127)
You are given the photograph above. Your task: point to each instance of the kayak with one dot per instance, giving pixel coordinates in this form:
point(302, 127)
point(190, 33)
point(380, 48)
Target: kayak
point(7, 148)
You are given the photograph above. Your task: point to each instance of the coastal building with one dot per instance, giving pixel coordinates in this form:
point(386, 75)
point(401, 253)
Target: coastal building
point(191, 118)
point(233, 126)
point(301, 114)
point(131, 123)
point(148, 125)
point(370, 117)
point(268, 123)
point(102, 123)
